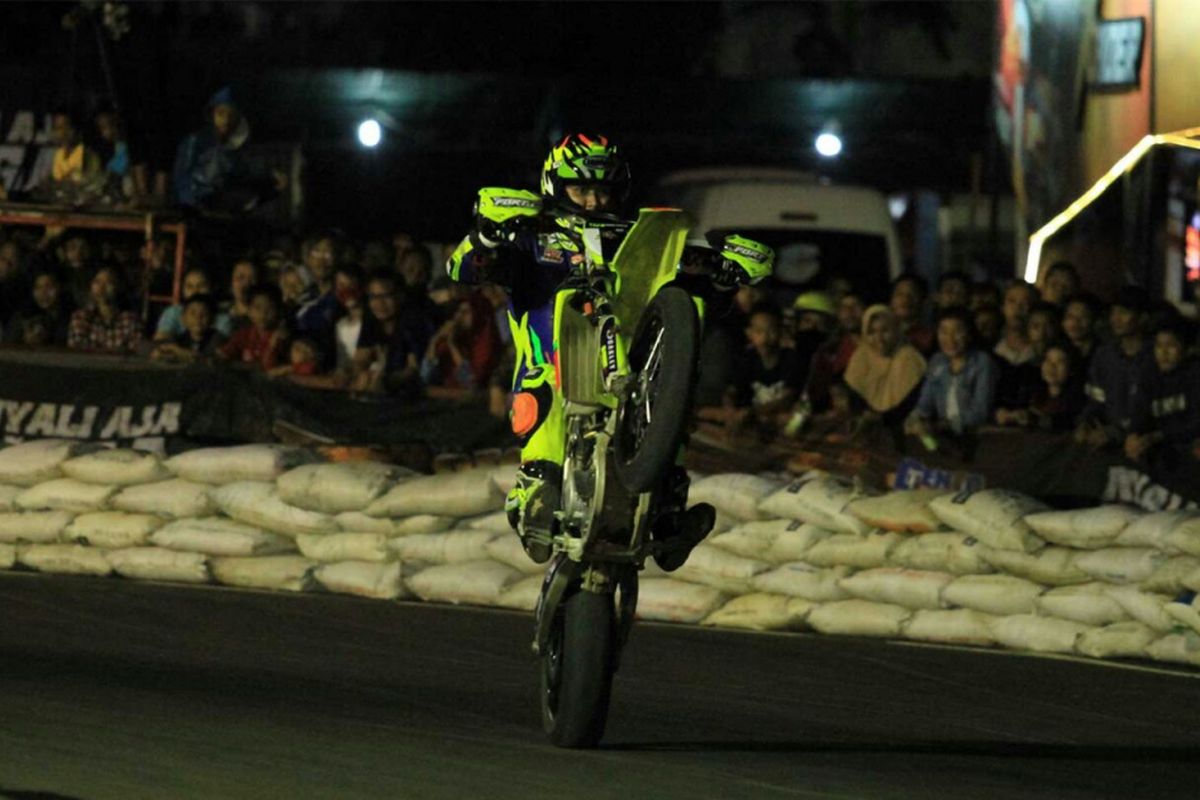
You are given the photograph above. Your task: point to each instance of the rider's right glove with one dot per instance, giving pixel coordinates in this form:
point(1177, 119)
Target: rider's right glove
point(743, 261)
point(500, 214)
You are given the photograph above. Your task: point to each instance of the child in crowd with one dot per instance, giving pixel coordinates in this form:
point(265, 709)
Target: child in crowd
point(1166, 421)
point(170, 324)
point(199, 340)
point(770, 376)
point(959, 384)
point(464, 351)
point(304, 359)
point(259, 344)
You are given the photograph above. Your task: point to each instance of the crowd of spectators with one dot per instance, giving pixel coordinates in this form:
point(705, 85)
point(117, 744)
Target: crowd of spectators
point(1119, 372)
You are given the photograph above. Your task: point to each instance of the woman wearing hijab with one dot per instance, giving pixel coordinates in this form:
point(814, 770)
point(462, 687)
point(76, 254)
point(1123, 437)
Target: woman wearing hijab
point(464, 351)
point(885, 372)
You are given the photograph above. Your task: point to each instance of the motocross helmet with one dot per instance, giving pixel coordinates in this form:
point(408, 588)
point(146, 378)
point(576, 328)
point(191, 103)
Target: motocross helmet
point(582, 160)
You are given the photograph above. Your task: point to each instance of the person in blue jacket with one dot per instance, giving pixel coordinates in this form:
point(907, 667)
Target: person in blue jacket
point(960, 381)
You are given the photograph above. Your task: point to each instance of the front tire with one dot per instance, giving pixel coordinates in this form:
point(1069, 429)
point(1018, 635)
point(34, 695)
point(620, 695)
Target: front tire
point(577, 670)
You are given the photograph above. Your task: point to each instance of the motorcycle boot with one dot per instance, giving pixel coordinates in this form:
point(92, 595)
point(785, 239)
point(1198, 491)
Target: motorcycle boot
point(531, 506)
point(676, 529)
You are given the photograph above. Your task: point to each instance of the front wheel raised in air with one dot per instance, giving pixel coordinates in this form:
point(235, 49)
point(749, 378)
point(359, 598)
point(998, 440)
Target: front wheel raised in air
point(577, 670)
point(662, 361)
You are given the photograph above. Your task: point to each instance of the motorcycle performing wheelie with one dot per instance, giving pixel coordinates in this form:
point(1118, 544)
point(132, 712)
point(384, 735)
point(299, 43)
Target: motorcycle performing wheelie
point(606, 317)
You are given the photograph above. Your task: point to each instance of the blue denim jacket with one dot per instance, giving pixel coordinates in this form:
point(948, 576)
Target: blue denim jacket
point(975, 389)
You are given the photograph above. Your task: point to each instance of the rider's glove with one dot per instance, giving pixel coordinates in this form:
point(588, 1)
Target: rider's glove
point(743, 261)
point(500, 214)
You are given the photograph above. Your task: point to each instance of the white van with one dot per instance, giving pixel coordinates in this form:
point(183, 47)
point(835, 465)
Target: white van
point(819, 231)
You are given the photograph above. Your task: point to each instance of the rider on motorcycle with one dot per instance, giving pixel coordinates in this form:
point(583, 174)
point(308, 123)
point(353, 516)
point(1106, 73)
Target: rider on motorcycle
point(584, 179)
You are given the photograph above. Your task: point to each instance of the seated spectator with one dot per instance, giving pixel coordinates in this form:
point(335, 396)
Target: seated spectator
point(1014, 348)
point(318, 307)
point(768, 377)
point(1117, 372)
point(304, 359)
point(989, 324)
point(829, 362)
point(885, 372)
point(46, 317)
point(260, 343)
point(959, 384)
point(815, 316)
point(389, 347)
point(1018, 382)
point(76, 176)
point(199, 341)
point(464, 351)
point(954, 290)
point(907, 303)
point(211, 171)
point(1056, 403)
point(103, 325)
point(1079, 324)
point(170, 323)
point(125, 174)
point(1061, 282)
point(1166, 421)
point(242, 280)
point(348, 289)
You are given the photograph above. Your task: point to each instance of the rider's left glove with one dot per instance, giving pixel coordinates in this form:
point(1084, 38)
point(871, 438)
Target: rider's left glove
point(744, 261)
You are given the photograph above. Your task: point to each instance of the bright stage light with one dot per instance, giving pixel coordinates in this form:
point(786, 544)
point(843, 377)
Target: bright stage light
point(369, 133)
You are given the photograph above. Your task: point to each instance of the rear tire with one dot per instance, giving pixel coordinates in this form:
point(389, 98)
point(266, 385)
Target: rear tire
point(662, 360)
point(577, 670)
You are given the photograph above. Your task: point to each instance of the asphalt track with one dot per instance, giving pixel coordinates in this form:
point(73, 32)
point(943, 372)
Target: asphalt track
point(115, 689)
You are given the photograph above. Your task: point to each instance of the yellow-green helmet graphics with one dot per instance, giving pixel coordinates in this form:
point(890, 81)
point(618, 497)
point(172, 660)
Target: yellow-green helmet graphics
point(585, 159)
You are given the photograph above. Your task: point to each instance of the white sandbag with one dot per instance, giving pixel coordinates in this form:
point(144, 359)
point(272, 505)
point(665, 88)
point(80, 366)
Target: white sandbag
point(859, 618)
point(33, 526)
point(506, 548)
point(66, 494)
point(475, 582)
point(1118, 640)
point(950, 626)
point(1184, 537)
point(286, 573)
point(334, 488)
point(798, 579)
point(794, 541)
point(522, 595)
point(1001, 595)
point(762, 612)
point(8, 556)
point(247, 462)
point(1084, 528)
point(1052, 566)
point(820, 500)
point(217, 536)
point(712, 566)
point(452, 547)
point(993, 516)
point(1147, 608)
point(8, 497)
point(159, 564)
point(1121, 564)
point(1039, 634)
point(1176, 648)
point(504, 477)
point(112, 529)
point(1187, 614)
point(358, 522)
point(455, 494)
point(903, 511)
point(953, 552)
point(171, 498)
point(330, 547)
point(751, 539)
point(496, 522)
point(859, 550)
point(381, 581)
point(31, 463)
point(667, 600)
point(1174, 575)
point(68, 559)
point(1150, 530)
point(258, 503)
point(1088, 603)
point(910, 588)
point(734, 493)
point(116, 467)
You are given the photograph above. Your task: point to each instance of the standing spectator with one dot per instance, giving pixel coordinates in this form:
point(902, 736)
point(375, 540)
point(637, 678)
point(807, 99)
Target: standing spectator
point(954, 290)
point(261, 342)
point(104, 325)
point(46, 316)
point(1117, 371)
point(464, 351)
point(199, 341)
point(907, 303)
point(885, 372)
point(170, 323)
point(1060, 284)
point(242, 280)
point(1014, 348)
point(348, 288)
point(959, 384)
point(1079, 325)
point(1166, 421)
point(387, 355)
